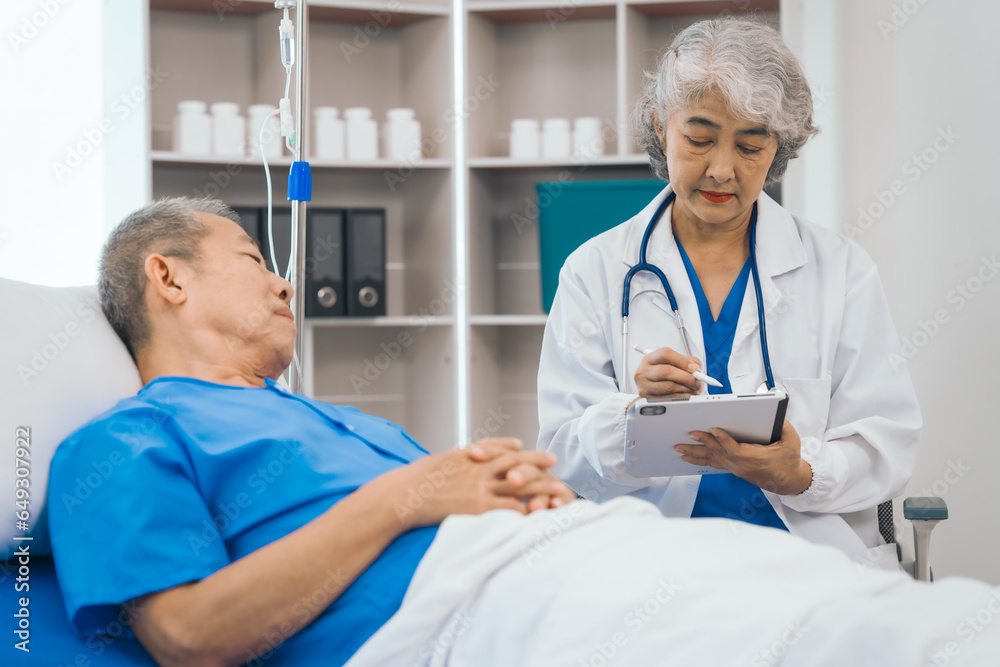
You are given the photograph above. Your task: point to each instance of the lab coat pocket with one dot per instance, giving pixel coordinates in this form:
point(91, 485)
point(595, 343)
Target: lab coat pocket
point(808, 405)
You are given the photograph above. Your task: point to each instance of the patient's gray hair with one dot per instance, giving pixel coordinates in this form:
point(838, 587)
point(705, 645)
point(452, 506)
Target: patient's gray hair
point(747, 62)
point(168, 227)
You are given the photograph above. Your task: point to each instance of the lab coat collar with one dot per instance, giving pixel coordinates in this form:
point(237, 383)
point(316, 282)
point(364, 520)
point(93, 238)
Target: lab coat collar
point(638, 224)
point(779, 246)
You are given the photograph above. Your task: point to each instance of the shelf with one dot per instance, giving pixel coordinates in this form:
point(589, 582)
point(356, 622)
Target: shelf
point(552, 12)
point(550, 68)
point(405, 375)
point(418, 226)
point(508, 320)
point(180, 159)
point(339, 11)
point(389, 321)
point(661, 9)
point(504, 253)
point(186, 160)
point(381, 164)
point(556, 11)
point(501, 11)
point(523, 59)
point(511, 164)
point(505, 363)
point(387, 66)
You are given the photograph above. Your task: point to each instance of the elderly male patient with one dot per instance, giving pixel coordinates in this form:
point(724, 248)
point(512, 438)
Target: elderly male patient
point(238, 515)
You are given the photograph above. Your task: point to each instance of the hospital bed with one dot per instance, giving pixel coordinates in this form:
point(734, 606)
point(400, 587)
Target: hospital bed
point(64, 365)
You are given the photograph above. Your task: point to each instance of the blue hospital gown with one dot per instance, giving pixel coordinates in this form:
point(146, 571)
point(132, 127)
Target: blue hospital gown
point(188, 476)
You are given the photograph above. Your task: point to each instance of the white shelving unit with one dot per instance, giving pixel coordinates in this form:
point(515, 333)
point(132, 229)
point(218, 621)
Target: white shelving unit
point(524, 58)
point(170, 157)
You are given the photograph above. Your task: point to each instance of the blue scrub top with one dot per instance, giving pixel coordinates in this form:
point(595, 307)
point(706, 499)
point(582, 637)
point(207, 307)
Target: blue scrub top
point(725, 494)
point(188, 476)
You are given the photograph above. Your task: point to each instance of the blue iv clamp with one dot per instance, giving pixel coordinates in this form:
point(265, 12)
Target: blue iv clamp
point(300, 182)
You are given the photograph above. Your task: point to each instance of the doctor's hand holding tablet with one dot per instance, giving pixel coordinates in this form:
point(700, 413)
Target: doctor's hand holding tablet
point(777, 467)
point(724, 284)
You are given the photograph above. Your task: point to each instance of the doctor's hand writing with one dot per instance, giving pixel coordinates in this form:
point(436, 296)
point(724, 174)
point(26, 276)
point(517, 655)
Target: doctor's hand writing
point(491, 474)
point(777, 467)
point(666, 373)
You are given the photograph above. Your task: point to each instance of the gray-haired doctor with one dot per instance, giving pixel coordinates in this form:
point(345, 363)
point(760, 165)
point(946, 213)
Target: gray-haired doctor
point(727, 110)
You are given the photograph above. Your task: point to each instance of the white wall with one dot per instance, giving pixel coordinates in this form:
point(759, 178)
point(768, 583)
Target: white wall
point(73, 121)
point(811, 183)
point(916, 76)
point(128, 83)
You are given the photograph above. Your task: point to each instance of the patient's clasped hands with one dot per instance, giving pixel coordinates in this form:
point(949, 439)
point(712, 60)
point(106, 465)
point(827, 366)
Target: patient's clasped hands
point(488, 475)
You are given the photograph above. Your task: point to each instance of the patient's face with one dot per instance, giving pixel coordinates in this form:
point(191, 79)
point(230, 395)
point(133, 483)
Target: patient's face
point(234, 296)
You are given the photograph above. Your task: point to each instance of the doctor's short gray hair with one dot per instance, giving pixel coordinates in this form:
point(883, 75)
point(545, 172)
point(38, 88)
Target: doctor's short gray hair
point(168, 227)
point(748, 63)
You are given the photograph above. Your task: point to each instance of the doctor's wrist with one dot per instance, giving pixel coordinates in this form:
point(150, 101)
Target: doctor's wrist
point(805, 479)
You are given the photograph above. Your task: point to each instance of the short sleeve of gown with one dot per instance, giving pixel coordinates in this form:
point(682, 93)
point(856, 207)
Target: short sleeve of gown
point(126, 517)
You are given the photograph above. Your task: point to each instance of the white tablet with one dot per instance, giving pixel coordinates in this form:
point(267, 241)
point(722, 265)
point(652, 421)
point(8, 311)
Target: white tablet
point(654, 427)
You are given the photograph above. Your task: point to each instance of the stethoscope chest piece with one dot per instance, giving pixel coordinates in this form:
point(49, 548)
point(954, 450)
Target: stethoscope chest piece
point(764, 389)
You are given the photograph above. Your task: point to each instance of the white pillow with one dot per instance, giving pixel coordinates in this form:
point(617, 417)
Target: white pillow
point(62, 364)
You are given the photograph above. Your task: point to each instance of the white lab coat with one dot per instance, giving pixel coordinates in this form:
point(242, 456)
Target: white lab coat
point(832, 345)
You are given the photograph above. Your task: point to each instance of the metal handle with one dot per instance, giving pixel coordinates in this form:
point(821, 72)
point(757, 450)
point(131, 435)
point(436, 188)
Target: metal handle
point(368, 297)
point(922, 548)
point(327, 297)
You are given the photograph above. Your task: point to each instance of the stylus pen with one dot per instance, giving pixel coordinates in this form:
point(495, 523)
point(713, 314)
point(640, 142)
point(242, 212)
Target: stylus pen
point(697, 374)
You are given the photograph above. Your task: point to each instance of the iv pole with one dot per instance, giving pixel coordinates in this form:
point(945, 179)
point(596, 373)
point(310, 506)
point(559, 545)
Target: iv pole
point(299, 192)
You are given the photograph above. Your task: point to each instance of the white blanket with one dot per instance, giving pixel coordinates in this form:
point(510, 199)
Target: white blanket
point(617, 584)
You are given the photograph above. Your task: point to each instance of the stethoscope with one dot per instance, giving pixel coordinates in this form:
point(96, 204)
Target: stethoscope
point(644, 265)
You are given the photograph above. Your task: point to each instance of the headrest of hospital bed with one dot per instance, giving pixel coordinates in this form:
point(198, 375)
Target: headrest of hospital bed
point(62, 364)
